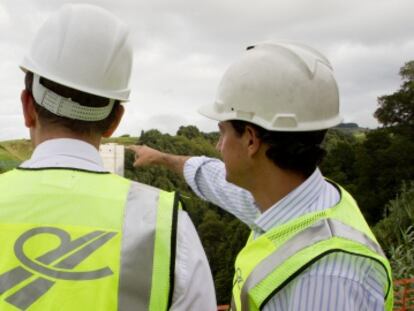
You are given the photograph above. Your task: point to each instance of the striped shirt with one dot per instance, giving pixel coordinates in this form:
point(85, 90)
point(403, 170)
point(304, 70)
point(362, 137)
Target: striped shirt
point(338, 281)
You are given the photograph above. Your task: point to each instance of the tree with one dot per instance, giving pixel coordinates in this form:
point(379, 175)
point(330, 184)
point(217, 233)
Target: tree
point(189, 131)
point(384, 161)
point(397, 109)
point(339, 163)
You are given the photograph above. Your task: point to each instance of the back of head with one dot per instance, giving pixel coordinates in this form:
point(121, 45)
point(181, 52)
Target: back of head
point(81, 61)
point(288, 92)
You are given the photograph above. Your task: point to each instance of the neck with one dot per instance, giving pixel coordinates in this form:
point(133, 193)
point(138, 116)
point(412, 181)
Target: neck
point(43, 135)
point(270, 184)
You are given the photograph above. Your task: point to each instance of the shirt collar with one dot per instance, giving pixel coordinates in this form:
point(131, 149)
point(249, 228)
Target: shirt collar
point(295, 204)
point(65, 152)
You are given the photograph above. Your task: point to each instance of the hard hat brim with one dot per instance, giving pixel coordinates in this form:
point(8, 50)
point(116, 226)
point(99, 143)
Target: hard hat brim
point(210, 112)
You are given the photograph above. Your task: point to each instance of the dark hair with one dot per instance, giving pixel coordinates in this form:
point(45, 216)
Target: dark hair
point(48, 118)
point(300, 152)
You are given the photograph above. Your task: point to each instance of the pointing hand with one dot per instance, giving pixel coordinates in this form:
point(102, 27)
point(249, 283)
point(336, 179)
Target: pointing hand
point(145, 155)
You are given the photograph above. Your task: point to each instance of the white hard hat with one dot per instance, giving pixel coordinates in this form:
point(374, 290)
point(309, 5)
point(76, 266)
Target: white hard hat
point(86, 48)
point(280, 87)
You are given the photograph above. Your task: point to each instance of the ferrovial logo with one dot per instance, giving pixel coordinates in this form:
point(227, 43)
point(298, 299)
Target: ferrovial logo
point(238, 278)
point(56, 264)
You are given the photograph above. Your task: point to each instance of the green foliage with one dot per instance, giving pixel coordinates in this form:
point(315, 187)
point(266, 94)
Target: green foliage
point(339, 163)
point(13, 152)
point(384, 162)
point(402, 256)
point(190, 141)
point(372, 166)
point(385, 159)
point(6, 165)
point(222, 238)
point(123, 140)
point(400, 216)
point(190, 131)
point(395, 232)
point(397, 110)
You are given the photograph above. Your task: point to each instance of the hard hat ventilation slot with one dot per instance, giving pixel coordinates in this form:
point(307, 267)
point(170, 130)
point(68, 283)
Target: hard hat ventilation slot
point(65, 107)
point(244, 115)
point(285, 120)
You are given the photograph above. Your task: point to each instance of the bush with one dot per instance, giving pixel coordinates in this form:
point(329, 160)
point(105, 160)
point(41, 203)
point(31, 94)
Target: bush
point(402, 256)
point(396, 232)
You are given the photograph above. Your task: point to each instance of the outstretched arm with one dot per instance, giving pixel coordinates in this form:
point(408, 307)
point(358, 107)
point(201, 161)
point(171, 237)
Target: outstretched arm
point(206, 177)
point(145, 156)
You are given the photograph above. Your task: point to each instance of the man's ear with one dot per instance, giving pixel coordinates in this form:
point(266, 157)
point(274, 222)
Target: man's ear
point(29, 111)
point(119, 112)
point(253, 142)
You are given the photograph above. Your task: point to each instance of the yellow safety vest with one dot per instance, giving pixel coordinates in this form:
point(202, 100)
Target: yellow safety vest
point(267, 264)
point(78, 240)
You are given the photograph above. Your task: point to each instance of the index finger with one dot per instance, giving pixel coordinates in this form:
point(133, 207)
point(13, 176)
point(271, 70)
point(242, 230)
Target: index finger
point(133, 147)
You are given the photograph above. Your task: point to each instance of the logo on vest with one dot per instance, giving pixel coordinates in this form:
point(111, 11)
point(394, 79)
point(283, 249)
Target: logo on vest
point(238, 278)
point(58, 263)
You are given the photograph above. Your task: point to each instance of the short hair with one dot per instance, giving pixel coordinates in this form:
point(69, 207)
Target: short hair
point(48, 118)
point(300, 152)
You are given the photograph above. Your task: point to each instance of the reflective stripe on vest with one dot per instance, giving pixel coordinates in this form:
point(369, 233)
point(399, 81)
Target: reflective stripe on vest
point(323, 229)
point(84, 241)
point(270, 262)
point(145, 281)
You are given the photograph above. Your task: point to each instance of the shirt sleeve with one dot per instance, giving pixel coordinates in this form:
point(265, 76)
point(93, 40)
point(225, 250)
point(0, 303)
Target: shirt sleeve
point(194, 286)
point(207, 178)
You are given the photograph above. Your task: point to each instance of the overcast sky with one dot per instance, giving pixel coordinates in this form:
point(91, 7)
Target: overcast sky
point(183, 47)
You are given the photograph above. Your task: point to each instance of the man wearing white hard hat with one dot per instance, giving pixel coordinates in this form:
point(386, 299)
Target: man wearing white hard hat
point(310, 247)
point(74, 236)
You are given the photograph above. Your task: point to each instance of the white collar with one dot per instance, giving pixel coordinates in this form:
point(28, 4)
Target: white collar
point(65, 152)
point(295, 204)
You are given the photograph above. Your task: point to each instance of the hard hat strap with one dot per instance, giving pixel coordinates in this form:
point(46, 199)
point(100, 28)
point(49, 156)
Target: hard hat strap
point(65, 107)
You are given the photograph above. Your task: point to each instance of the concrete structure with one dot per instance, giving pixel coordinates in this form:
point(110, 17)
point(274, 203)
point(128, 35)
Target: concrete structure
point(113, 157)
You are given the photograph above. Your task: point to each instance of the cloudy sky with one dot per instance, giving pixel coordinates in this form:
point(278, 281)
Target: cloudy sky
point(183, 47)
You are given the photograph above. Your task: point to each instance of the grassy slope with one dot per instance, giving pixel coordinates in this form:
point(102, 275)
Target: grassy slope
point(13, 152)
point(121, 140)
point(17, 149)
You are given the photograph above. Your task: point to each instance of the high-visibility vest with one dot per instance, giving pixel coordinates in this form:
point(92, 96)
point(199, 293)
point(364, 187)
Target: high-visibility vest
point(78, 240)
point(267, 264)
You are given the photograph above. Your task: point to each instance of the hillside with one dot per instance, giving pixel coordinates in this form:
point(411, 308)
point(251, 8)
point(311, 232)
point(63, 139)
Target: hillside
point(353, 129)
point(13, 152)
